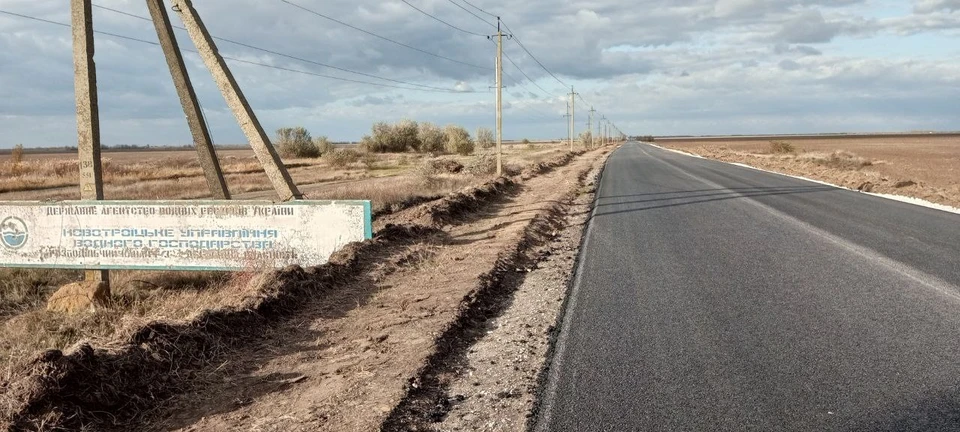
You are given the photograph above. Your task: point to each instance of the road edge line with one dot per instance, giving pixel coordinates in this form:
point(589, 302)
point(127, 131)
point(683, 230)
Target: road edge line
point(920, 202)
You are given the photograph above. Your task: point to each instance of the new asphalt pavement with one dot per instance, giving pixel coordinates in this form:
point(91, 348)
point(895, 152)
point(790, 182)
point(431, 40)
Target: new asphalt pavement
point(713, 297)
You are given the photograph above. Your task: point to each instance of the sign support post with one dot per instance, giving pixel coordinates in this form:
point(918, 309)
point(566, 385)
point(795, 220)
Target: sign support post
point(88, 116)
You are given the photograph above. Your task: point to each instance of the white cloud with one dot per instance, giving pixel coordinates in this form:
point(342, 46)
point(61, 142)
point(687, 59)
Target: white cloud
point(684, 66)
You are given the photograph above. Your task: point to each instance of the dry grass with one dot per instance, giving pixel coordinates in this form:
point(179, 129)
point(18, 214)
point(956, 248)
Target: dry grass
point(137, 297)
point(388, 180)
point(918, 166)
point(779, 147)
point(840, 159)
point(25, 289)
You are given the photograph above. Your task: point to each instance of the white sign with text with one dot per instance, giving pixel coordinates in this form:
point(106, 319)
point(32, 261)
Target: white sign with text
point(178, 235)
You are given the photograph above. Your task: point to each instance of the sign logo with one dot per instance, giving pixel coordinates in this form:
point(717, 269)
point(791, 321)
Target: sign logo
point(13, 233)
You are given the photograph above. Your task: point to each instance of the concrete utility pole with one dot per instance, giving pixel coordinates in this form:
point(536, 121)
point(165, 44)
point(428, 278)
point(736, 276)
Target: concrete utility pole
point(499, 100)
point(573, 116)
point(88, 112)
point(593, 138)
point(266, 153)
point(567, 117)
point(603, 134)
point(188, 99)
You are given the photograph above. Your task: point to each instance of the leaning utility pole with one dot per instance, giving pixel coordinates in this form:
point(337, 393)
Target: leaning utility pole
point(188, 99)
point(88, 112)
point(266, 153)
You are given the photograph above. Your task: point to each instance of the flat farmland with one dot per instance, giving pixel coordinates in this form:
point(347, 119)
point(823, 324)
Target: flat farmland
point(176, 174)
point(920, 166)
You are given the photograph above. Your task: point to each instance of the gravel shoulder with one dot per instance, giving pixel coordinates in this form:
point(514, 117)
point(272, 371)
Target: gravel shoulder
point(496, 386)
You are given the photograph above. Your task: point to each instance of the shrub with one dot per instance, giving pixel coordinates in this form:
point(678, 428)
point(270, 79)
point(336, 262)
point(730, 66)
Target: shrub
point(485, 138)
point(458, 140)
point(779, 147)
point(296, 142)
point(434, 167)
point(486, 164)
point(369, 161)
point(586, 138)
point(482, 164)
point(432, 139)
point(407, 135)
point(340, 158)
point(526, 141)
point(846, 160)
point(323, 144)
point(16, 155)
point(367, 144)
point(396, 138)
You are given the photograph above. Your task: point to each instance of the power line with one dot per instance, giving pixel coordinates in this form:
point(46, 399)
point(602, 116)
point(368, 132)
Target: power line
point(68, 25)
point(524, 74)
point(292, 57)
point(424, 88)
point(481, 10)
point(515, 38)
point(440, 20)
point(382, 37)
point(337, 78)
point(528, 76)
point(471, 13)
point(582, 99)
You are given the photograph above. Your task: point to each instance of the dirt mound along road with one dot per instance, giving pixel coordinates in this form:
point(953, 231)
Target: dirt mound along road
point(358, 366)
point(340, 362)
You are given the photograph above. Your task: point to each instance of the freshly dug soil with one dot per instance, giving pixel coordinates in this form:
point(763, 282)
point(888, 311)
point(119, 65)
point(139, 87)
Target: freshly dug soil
point(327, 348)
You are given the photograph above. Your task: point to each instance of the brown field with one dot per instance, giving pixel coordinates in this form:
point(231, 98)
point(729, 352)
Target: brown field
point(926, 167)
point(26, 327)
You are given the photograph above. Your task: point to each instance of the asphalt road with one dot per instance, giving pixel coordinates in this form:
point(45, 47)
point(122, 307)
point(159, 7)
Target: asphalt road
point(714, 297)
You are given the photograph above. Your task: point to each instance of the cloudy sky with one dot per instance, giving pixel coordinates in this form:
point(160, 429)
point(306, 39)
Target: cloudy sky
point(653, 67)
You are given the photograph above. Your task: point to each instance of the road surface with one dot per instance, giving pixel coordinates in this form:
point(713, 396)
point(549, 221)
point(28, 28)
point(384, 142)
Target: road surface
point(715, 297)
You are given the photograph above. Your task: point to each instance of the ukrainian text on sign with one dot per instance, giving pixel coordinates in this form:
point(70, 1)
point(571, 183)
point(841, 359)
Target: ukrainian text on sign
point(215, 235)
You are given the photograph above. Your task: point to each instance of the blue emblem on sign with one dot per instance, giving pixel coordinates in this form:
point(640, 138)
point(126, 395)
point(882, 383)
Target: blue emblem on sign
point(13, 233)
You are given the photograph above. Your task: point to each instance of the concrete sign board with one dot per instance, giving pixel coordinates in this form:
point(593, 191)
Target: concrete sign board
point(178, 235)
